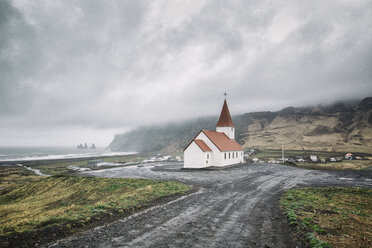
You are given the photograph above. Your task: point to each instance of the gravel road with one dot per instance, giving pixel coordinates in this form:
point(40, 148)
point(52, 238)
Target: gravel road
point(234, 207)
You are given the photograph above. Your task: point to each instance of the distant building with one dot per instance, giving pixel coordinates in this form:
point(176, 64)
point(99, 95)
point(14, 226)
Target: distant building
point(214, 148)
point(349, 156)
point(314, 158)
point(94, 162)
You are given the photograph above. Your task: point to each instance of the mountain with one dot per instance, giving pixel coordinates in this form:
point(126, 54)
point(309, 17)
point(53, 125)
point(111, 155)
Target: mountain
point(343, 126)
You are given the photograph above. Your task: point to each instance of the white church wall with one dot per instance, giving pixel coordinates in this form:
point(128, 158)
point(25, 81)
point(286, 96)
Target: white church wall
point(194, 157)
point(234, 158)
point(229, 131)
point(216, 158)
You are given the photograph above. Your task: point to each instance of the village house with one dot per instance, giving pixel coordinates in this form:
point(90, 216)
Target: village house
point(314, 158)
point(214, 148)
point(349, 156)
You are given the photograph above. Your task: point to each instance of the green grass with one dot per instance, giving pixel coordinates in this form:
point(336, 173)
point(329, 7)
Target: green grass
point(15, 175)
point(344, 165)
point(330, 217)
point(59, 200)
point(276, 154)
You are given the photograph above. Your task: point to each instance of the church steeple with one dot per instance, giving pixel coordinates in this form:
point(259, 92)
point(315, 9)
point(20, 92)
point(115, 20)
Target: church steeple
point(225, 117)
point(225, 124)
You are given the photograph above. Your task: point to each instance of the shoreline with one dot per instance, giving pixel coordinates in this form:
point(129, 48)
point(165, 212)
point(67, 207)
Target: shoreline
point(51, 167)
point(74, 159)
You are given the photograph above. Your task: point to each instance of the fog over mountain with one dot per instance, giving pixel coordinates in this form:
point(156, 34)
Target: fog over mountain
point(83, 71)
point(340, 127)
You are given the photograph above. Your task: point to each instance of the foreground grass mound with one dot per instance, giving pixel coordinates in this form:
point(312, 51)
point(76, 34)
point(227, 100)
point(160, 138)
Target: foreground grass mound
point(330, 217)
point(63, 199)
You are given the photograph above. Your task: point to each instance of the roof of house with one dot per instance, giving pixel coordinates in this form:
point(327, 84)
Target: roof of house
point(219, 139)
point(222, 141)
point(225, 118)
point(202, 145)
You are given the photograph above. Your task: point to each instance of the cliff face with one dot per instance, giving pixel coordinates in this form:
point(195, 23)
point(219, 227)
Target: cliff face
point(339, 127)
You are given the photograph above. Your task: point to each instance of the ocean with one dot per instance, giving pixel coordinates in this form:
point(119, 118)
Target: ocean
point(47, 153)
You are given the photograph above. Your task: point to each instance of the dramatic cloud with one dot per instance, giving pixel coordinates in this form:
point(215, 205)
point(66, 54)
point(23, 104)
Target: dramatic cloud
point(76, 71)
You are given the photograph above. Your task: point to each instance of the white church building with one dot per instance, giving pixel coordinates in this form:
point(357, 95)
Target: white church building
point(214, 148)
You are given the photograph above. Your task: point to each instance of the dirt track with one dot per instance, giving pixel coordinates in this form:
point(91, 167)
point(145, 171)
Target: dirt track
point(235, 207)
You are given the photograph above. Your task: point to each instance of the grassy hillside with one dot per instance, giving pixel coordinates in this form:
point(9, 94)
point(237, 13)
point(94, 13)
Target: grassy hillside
point(336, 128)
point(65, 200)
point(11, 176)
point(339, 127)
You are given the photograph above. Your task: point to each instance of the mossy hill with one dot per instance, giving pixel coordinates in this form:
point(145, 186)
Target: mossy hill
point(342, 127)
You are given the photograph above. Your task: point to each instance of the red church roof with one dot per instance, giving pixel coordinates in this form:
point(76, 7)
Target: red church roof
point(202, 145)
point(225, 118)
point(222, 142)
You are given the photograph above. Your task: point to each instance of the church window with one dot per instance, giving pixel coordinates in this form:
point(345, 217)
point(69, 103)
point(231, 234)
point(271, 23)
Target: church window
point(233, 154)
point(229, 155)
point(231, 129)
point(206, 161)
point(236, 154)
point(225, 155)
point(207, 156)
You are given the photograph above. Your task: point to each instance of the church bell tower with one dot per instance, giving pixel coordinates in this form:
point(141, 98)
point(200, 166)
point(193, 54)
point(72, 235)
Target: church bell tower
point(225, 124)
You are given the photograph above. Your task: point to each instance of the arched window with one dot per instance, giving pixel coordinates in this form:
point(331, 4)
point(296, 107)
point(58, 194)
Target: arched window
point(229, 155)
point(225, 155)
point(207, 155)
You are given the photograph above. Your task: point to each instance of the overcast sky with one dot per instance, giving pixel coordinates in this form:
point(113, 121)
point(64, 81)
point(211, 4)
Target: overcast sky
point(82, 71)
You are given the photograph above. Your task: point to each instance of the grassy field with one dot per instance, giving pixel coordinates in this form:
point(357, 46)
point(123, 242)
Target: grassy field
point(277, 154)
point(344, 165)
point(62, 199)
point(15, 175)
point(330, 217)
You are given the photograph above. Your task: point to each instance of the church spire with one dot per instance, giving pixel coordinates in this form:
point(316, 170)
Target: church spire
point(225, 118)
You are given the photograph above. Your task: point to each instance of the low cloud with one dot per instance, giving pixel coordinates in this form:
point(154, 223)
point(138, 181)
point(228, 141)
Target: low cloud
point(108, 66)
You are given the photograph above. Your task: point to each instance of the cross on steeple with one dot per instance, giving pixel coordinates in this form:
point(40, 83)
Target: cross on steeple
point(225, 94)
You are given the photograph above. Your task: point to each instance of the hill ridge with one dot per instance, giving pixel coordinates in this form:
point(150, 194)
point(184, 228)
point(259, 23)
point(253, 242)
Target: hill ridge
point(343, 126)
